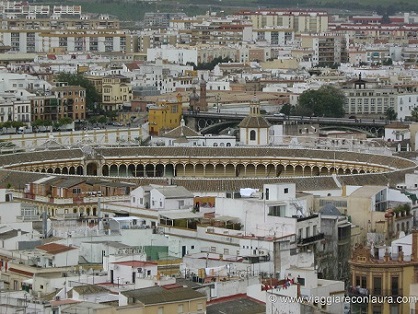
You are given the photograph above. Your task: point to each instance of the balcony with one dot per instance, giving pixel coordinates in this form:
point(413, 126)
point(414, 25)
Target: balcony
point(26, 218)
point(310, 240)
point(387, 292)
point(358, 292)
point(363, 292)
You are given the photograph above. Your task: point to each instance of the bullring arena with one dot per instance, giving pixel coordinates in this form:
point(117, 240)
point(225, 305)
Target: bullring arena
point(209, 169)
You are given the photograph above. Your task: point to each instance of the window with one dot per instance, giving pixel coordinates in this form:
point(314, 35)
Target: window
point(395, 285)
point(286, 190)
point(377, 285)
point(267, 194)
point(161, 310)
point(76, 191)
point(301, 281)
point(278, 211)
point(180, 308)
point(252, 135)
point(377, 309)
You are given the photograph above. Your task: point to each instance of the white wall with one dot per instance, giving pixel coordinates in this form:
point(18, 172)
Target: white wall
point(125, 273)
point(253, 214)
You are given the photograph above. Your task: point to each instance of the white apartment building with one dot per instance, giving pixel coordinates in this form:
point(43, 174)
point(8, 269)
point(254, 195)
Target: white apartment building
point(404, 104)
point(15, 81)
point(297, 20)
point(22, 111)
point(172, 55)
point(274, 36)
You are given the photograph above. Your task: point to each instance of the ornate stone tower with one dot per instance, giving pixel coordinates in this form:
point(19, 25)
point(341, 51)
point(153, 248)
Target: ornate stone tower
point(193, 100)
point(203, 104)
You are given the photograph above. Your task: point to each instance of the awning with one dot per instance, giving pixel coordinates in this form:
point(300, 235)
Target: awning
point(28, 281)
point(180, 215)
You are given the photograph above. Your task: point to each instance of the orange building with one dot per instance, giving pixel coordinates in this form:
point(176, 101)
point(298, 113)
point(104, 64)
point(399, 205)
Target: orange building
point(164, 116)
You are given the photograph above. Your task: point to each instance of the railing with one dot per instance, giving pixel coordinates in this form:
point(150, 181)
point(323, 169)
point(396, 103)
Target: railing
point(359, 291)
point(308, 240)
point(387, 292)
point(68, 216)
point(72, 200)
point(28, 218)
point(307, 218)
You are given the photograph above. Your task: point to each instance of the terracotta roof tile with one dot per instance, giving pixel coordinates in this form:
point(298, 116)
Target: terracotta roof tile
point(55, 248)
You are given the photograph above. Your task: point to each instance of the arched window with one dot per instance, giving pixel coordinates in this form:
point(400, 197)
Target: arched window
point(252, 135)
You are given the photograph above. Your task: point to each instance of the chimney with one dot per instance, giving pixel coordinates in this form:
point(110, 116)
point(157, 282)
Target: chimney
point(415, 245)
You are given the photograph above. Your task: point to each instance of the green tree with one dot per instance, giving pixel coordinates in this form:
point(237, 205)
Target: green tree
point(38, 122)
point(327, 101)
point(286, 109)
point(211, 65)
point(102, 119)
point(391, 114)
point(13, 124)
point(92, 96)
point(64, 121)
point(414, 114)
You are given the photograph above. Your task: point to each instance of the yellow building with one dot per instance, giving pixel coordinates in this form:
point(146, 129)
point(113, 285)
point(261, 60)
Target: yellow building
point(116, 90)
point(380, 279)
point(97, 82)
point(164, 116)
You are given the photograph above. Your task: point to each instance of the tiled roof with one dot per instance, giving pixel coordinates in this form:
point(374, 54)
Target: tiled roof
point(55, 248)
point(242, 305)
point(88, 289)
point(174, 191)
point(254, 122)
point(10, 234)
point(155, 295)
point(68, 182)
point(397, 167)
point(330, 210)
point(180, 131)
